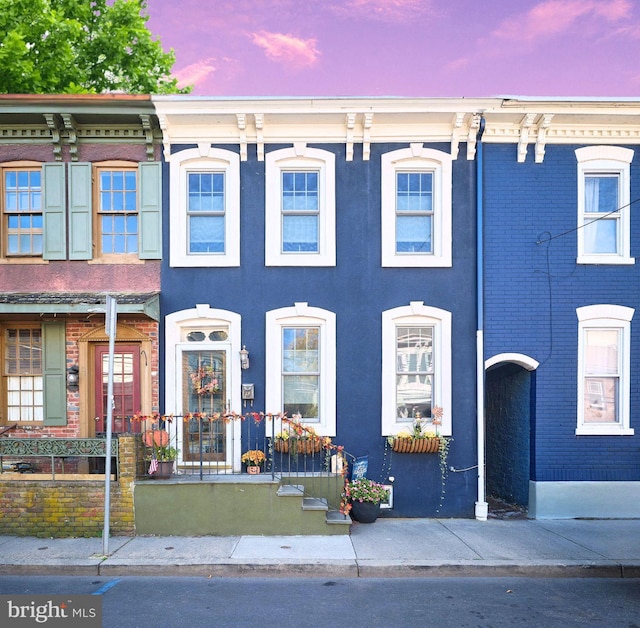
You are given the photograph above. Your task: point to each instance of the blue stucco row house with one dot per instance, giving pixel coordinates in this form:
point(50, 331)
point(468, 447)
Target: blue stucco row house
point(335, 239)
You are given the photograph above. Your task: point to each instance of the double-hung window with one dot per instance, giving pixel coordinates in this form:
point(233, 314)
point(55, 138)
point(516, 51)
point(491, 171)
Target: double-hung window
point(301, 364)
point(22, 211)
point(604, 364)
point(416, 208)
point(205, 212)
point(603, 205)
point(23, 373)
point(416, 366)
point(300, 212)
point(300, 207)
point(205, 207)
point(117, 210)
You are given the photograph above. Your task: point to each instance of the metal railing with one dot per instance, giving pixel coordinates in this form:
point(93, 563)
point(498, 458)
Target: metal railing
point(33, 455)
point(208, 447)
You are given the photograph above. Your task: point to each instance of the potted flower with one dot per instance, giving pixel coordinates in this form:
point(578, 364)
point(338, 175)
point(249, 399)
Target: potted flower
point(160, 454)
point(253, 459)
point(361, 499)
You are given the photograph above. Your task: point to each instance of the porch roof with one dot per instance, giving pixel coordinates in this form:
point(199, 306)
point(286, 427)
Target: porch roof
point(147, 303)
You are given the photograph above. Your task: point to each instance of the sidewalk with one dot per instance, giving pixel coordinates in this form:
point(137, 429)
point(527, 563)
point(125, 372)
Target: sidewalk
point(386, 548)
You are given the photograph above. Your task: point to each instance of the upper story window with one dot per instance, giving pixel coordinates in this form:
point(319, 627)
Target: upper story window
point(300, 212)
point(604, 364)
point(603, 205)
point(205, 210)
point(300, 207)
point(117, 210)
point(416, 208)
point(416, 366)
point(301, 365)
point(205, 207)
point(22, 211)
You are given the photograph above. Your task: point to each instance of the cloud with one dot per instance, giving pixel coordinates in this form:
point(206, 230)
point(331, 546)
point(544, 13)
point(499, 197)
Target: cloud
point(384, 10)
point(550, 18)
point(196, 73)
point(291, 51)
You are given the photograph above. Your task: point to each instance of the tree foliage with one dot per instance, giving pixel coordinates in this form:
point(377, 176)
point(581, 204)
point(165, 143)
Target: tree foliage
point(81, 46)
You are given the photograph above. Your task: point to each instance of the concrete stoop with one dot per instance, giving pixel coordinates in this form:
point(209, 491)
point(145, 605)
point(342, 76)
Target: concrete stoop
point(244, 506)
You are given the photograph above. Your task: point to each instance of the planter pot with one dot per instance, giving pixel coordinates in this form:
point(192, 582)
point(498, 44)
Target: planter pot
point(164, 472)
point(253, 470)
point(416, 445)
point(298, 446)
point(365, 512)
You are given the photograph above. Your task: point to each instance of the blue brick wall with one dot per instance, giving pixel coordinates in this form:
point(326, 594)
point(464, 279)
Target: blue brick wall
point(533, 287)
point(358, 290)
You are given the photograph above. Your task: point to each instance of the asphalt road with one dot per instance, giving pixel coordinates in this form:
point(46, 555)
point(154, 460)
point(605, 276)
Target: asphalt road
point(165, 602)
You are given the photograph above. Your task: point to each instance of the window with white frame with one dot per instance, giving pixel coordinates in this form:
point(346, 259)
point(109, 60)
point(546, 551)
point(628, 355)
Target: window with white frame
point(603, 205)
point(205, 207)
point(301, 365)
point(416, 366)
point(603, 369)
point(300, 207)
point(416, 208)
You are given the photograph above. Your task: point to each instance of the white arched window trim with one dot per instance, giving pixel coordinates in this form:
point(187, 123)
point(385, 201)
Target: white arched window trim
point(301, 314)
point(300, 158)
point(418, 159)
point(605, 316)
point(416, 313)
point(203, 158)
point(605, 160)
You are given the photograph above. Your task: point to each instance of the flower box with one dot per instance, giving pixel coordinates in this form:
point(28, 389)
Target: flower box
point(416, 445)
point(297, 445)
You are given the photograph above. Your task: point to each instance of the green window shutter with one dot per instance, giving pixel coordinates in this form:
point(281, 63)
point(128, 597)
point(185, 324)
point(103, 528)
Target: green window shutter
point(54, 373)
point(53, 211)
point(150, 210)
point(80, 233)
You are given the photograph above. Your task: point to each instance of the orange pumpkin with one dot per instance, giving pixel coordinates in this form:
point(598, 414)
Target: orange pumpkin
point(156, 438)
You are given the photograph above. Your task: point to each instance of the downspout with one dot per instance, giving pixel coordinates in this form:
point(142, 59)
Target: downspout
point(482, 508)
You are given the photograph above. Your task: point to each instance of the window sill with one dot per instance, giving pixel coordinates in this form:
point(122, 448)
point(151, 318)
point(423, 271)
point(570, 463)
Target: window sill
point(116, 260)
point(604, 430)
point(23, 260)
point(614, 260)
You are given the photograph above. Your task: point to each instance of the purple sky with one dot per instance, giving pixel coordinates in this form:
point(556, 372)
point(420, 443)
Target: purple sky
point(429, 48)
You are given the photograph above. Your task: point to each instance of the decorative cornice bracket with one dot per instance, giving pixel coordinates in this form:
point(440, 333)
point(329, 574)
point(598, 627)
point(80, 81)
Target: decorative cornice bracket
point(541, 140)
point(166, 142)
point(145, 119)
point(351, 123)
point(472, 136)
point(259, 121)
point(242, 129)
point(72, 133)
point(366, 136)
point(54, 128)
point(525, 129)
point(455, 134)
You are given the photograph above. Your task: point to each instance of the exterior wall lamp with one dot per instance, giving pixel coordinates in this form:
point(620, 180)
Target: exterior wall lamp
point(244, 358)
point(73, 378)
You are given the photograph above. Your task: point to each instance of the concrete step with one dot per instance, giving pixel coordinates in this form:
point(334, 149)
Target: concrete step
point(314, 503)
point(335, 517)
point(291, 490)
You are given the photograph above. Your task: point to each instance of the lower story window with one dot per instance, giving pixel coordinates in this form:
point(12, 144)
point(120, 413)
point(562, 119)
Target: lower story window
point(23, 374)
point(301, 372)
point(604, 365)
